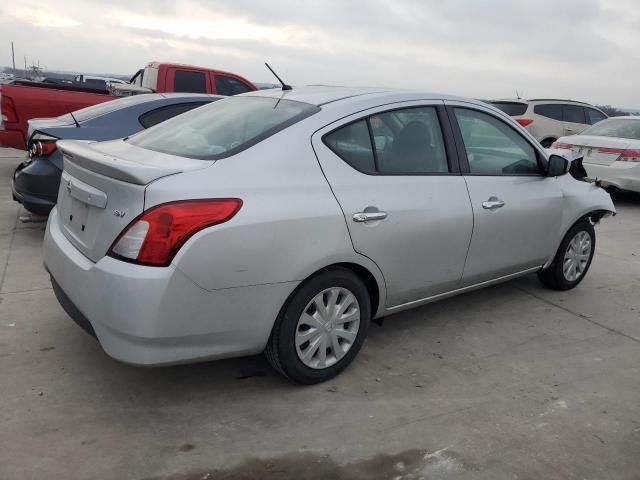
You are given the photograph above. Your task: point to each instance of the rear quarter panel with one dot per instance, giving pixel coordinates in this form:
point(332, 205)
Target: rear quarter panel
point(290, 224)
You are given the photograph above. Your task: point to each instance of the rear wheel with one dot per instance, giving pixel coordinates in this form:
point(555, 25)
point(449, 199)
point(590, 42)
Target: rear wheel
point(321, 328)
point(573, 259)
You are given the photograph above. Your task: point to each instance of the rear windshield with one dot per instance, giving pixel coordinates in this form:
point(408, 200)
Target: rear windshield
point(100, 109)
point(223, 128)
point(513, 109)
point(615, 127)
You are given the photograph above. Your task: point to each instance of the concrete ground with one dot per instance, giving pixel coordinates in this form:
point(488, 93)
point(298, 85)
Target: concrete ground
point(514, 381)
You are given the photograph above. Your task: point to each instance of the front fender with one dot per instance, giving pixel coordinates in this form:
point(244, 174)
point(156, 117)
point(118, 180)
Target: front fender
point(581, 199)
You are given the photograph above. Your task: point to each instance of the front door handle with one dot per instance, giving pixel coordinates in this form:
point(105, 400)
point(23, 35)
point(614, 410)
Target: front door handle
point(368, 216)
point(492, 204)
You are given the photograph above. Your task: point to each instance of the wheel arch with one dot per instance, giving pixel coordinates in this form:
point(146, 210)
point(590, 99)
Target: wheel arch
point(548, 139)
point(593, 216)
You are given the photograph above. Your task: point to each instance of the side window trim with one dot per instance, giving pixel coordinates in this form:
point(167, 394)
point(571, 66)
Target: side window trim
point(453, 158)
point(462, 152)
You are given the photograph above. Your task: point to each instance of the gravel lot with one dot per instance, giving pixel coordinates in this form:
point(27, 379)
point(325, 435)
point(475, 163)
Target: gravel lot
point(513, 381)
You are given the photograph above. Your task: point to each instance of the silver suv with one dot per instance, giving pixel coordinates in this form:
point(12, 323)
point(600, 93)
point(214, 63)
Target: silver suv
point(285, 221)
point(548, 120)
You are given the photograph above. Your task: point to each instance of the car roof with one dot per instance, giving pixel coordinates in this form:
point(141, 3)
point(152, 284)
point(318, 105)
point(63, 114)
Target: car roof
point(559, 100)
point(320, 95)
point(185, 94)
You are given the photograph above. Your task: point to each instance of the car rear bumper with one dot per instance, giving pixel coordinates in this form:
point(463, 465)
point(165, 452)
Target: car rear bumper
point(158, 316)
point(35, 185)
point(622, 175)
point(12, 139)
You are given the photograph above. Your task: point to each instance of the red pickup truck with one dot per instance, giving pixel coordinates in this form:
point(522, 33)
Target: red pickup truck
point(21, 101)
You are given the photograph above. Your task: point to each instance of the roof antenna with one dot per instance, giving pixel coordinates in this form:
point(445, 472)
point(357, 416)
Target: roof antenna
point(73, 117)
point(284, 85)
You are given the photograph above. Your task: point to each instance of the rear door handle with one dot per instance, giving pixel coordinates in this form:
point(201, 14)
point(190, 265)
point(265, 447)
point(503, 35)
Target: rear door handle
point(492, 204)
point(368, 216)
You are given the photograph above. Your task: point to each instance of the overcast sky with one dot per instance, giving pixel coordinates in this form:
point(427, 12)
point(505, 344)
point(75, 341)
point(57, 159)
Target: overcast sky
point(581, 49)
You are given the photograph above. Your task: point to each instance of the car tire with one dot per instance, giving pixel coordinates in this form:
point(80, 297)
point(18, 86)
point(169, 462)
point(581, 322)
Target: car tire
point(312, 320)
point(547, 142)
point(572, 260)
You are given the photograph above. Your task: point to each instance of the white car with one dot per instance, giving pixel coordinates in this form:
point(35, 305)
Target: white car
point(611, 152)
point(548, 120)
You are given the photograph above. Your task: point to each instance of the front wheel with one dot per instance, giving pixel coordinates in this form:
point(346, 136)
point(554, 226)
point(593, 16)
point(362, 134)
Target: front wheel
point(321, 328)
point(573, 259)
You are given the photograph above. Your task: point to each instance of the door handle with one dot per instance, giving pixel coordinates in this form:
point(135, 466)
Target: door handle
point(368, 216)
point(492, 204)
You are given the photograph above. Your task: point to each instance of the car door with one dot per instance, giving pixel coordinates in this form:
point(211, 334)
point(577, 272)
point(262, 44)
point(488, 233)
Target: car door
point(516, 208)
point(394, 172)
point(573, 119)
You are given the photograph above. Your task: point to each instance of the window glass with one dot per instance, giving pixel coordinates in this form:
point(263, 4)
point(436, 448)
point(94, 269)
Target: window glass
point(616, 127)
point(594, 116)
point(409, 141)
point(514, 109)
point(352, 143)
point(223, 128)
point(230, 86)
point(573, 114)
point(550, 111)
point(161, 114)
point(192, 82)
point(95, 111)
point(494, 148)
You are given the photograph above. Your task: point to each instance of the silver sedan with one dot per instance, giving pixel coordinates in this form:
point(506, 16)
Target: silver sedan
point(285, 221)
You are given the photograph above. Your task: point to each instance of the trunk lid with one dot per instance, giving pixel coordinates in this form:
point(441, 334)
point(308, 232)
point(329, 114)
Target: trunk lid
point(597, 149)
point(44, 124)
point(103, 186)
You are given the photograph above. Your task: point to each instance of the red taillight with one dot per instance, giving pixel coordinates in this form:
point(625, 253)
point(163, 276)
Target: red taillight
point(629, 156)
point(8, 109)
point(156, 235)
point(562, 145)
point(46, 147)
point(525, 122)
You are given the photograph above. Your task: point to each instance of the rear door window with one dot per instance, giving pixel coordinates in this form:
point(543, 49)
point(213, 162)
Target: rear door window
point(550, 111)
point(398, 142)
point(161, 114)
point(573, 114)
point(352, 144)
point(594, 116)
point(190, 82)
point(230, 86)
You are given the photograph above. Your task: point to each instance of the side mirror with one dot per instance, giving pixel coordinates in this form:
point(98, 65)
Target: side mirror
point(557, 166)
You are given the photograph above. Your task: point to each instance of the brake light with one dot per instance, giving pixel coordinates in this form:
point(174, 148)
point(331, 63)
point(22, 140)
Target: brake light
point(525, 122)
point(154, 237)
point(561, 145)
point(629, 156)
point(43, 148)
point(8, 109)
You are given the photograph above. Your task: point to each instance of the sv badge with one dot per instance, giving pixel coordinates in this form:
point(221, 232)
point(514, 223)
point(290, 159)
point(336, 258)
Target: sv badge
point(119, 213)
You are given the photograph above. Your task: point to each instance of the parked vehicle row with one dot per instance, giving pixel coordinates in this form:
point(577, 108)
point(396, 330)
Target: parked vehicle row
point(285, 221)
point(548, 120)
point(36, 181)
point(22, 100)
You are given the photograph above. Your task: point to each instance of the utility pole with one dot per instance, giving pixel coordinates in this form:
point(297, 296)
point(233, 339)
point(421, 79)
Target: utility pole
point(13, 58)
